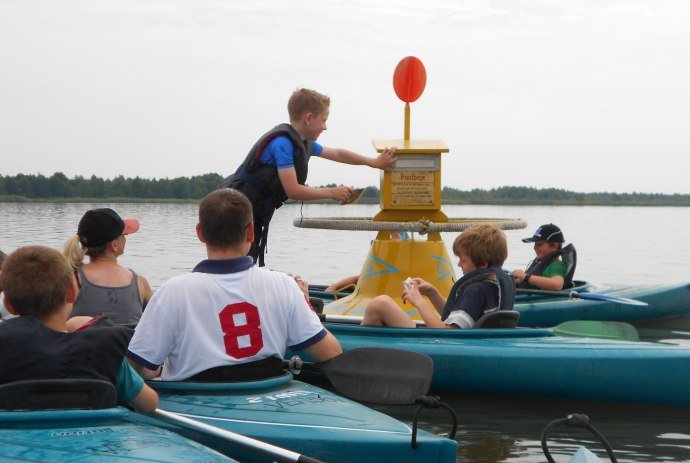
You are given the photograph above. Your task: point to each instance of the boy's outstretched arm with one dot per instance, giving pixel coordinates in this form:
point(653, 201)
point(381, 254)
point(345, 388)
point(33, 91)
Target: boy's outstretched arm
point(293, 190)
point(383, 161)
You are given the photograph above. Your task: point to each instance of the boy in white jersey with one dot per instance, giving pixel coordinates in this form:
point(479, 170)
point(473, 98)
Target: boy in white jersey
point(228, 319)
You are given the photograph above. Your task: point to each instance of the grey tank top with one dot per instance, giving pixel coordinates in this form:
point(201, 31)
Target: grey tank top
point(121, 304)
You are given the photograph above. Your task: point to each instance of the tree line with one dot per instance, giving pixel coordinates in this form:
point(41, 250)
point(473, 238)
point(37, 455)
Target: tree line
point(59, 187)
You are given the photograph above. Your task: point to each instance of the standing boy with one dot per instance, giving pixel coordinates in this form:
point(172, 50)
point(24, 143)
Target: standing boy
point(39, 286)
point(228, 320)
point(276, 167)
point(484, 287)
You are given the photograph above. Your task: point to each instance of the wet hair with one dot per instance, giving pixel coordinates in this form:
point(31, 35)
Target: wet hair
point(484, 244)
point(223, 217)
point(36, 280)
point(304, 101)
point(74, 251)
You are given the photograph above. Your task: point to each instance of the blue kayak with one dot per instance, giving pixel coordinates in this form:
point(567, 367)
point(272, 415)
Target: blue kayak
point(300, 417)
point(667, 306)
point(93, 436)
point(535, 362)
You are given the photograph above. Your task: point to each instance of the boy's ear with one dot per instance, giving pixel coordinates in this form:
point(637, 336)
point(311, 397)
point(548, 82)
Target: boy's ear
point(250, 233)
point(307, 117)
point(8, 306)
point(72, 292)
point(199, 234)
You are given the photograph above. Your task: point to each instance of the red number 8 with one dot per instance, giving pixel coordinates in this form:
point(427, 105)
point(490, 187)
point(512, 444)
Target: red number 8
point(233, 332)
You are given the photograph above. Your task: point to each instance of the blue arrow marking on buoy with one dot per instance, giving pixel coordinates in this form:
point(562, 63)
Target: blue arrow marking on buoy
point(443, 267)
point(387, 268)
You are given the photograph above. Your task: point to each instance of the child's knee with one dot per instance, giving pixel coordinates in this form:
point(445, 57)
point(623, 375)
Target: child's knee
point(380, 303)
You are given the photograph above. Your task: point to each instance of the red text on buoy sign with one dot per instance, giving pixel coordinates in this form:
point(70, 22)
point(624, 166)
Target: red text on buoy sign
point(409, 79)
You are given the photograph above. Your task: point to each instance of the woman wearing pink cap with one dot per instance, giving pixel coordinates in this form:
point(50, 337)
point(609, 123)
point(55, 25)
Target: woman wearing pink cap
point(105, 287)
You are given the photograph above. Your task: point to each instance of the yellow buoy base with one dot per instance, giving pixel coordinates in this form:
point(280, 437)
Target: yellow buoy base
point(388, 264)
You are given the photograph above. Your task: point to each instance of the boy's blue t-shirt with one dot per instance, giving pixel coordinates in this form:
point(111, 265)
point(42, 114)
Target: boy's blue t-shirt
point(280, 152)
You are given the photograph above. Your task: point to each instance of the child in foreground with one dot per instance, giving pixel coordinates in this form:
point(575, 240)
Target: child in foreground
point(39, 287)
point(484, 287)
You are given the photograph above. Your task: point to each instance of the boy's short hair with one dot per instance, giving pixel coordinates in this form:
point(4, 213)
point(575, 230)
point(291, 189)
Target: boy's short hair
point(223, 217)
point(36, 280)
point(304, 101)
point(485, 244)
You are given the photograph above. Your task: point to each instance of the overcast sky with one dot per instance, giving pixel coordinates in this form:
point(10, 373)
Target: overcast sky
point(588, 95)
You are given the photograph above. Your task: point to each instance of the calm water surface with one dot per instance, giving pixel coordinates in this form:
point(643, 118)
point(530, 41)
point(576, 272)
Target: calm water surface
point(615, 245)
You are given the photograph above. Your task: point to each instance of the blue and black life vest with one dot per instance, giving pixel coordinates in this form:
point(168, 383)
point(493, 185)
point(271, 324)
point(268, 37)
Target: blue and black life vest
point(505, 285)
point(536, 267)
point(31, 350)
point(260, 181)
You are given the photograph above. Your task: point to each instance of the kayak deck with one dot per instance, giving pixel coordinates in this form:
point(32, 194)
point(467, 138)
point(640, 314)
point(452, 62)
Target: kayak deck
point(93, 436)
point(300, 417)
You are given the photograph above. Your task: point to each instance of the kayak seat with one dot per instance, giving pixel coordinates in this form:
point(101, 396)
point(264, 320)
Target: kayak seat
point(316, 304)
point(57, 394)
point(569, 257)
point(498, 319)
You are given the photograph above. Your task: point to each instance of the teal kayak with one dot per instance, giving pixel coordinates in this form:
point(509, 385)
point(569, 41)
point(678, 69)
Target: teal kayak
point(94, 436)
point(667, 306)
point(535, 362)
point(300, 417)
point(664, 302)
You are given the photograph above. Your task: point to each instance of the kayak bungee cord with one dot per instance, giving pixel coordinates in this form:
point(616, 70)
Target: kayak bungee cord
point(579, 421)
point(432, 402)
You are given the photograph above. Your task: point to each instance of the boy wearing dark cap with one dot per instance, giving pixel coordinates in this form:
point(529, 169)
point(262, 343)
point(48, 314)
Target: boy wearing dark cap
point(547, 271)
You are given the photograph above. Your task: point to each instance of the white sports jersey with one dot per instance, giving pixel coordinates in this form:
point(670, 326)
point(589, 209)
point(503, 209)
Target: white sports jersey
point(226, 312)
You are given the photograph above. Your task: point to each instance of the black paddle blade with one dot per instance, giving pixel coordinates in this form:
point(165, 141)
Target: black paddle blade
point(380, 375)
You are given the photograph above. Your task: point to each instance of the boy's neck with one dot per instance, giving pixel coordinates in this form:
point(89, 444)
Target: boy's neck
point(56, 321)
point(300, 129)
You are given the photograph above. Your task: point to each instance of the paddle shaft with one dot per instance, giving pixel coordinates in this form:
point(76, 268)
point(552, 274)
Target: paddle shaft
point(271, 450)
point(586, 296)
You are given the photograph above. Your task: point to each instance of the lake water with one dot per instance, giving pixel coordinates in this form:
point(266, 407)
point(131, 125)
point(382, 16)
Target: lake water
point(615, 245)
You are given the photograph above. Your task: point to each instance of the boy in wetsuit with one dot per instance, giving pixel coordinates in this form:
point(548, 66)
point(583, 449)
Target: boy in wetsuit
point(276, 167)
point(484, 287)
point(39, 287)
point(547, 271)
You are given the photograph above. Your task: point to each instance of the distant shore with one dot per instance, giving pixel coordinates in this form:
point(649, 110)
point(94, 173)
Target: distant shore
point(445, 201)
point(59, 189)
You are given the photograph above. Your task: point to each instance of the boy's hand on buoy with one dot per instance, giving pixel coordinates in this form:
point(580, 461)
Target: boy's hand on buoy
point(385, 160)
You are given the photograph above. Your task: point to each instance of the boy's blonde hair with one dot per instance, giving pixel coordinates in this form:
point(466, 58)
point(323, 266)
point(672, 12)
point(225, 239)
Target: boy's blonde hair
point(485, 244)
point(304, 100)
point(36, 280)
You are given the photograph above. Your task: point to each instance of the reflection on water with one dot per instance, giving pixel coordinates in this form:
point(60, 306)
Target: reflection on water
point(508, 429)
point(614, 245)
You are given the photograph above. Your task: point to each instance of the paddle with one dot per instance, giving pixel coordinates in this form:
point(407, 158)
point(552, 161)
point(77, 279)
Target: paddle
point(576, 295)
point(271, 450)
point(620, 331)
point(375, 374)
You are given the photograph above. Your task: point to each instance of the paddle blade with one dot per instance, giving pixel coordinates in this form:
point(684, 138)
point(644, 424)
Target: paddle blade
point(619, 331)
point(380, 375)
point(604, 297)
